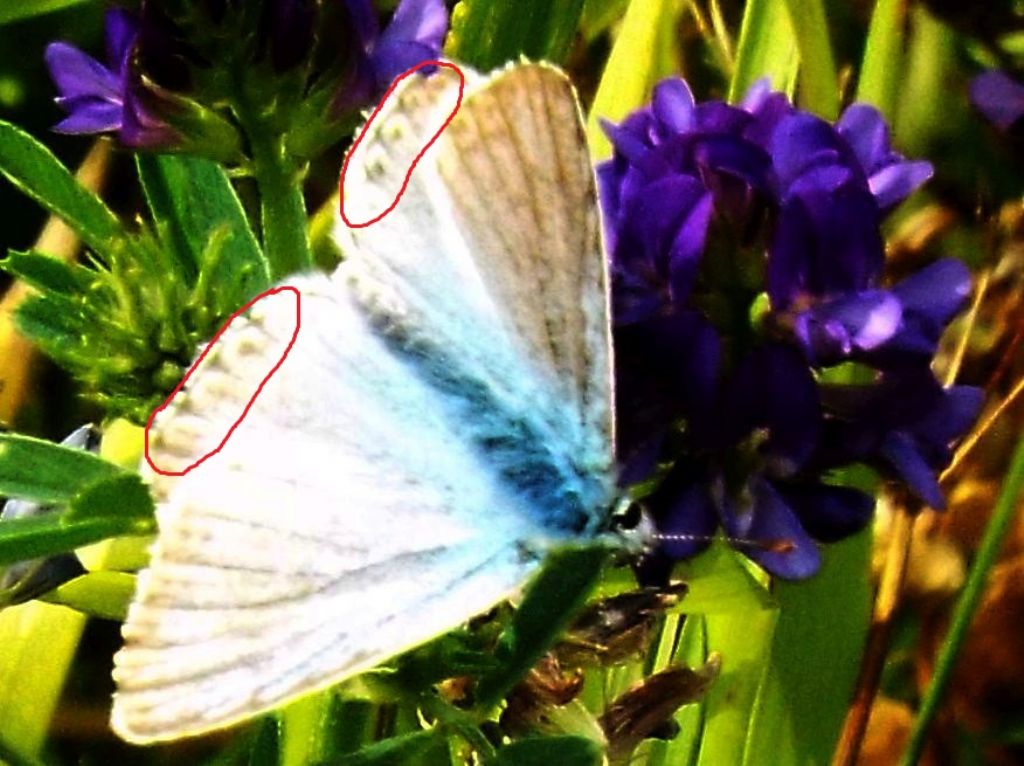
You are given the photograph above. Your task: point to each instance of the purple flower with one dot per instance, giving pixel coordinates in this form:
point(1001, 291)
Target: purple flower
point(904, 423)
point(885, 327)
point(106, 99)
point(891, 177)
point(999, 97)
point(745, 256)
point(415, 34)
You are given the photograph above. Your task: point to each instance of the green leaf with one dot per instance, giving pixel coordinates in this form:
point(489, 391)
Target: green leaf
point(743, 638)
point(32, 168)
point(814, 658)
point(563, 751)
point(265, 748)
point(35, 469)
point(123, 496)
point(549, 605)
point(39, 642)
point(110, 506)
point(600, 15)
point(192, 201)
point(48, 274)
point(767, 48)
point(406, 750)
point(819, 87)
point(882, 66)
point(38, 536)
point(489, 33)
point(634, 65)
point(720, 580)
point(97, 594)
point(25, 9)
point(53, 320)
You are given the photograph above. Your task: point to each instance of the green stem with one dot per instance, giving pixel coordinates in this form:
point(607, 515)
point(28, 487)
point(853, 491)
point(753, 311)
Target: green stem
point(278, 178)
point(282, 207)
point(461, 723)
point(988, 552)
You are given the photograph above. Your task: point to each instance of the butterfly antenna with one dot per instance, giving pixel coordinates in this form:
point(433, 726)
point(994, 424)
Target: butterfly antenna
point(779, 545)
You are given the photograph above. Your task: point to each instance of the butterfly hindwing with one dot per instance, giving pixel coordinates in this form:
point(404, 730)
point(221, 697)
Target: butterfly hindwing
point(345, 520)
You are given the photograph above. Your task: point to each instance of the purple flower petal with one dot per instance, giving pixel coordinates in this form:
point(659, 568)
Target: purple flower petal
point(415, 34)
point(829, 513)
point(683, 506)
point(949, 420)
point(890, 177)
point(800, 143)
point(999, 97)
point(785, 549)
point(673, 105)
point(363, 19)
point(666, 369)
point(930, 299)
point(865, 130)
point(658, 250)
point(833, 330)
point(390, 59)
point(77, 74)
point(121, 29)
point(773, 389)
point(418, 21)
point(894, 183)
point(903, 455)
point(88, 114)
point(827, 242)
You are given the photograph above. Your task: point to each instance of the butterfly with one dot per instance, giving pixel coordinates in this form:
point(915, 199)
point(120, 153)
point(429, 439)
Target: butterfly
point(442, 420)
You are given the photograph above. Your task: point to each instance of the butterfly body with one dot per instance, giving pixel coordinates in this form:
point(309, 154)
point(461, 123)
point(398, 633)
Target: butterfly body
point(442, 419)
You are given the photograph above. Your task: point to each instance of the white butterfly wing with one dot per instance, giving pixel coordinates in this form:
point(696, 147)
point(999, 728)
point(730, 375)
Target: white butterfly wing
point(499, 240)
point(344, 521)
point(443, 415)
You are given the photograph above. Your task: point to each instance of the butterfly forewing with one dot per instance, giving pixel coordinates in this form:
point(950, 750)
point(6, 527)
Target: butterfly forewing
point(433, 428)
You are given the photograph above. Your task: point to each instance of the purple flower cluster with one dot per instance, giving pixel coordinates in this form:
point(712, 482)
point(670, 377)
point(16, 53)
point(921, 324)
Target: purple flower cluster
point(116, 98)
point(746, 262)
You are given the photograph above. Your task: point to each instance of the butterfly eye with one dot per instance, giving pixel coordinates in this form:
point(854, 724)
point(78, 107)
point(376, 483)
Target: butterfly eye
point(628, 516)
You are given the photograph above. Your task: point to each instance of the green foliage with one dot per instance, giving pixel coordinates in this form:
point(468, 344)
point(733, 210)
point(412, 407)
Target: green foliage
point(564, 751)
point(109, 507)
point(98, 594)
point(128, 327)
point(415, 749)
point(882, 67)
point(819, 88)
point(201, 221)
point(554, 596)
point(489, 33)
point(767, 48)
point(814, 657)
point(637, 61)
point(32, 168)
point(35, 469)
point(26, 9)
point(265, 750)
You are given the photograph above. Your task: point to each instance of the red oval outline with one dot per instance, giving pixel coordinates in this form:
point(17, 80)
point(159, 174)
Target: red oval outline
point(252, 399)
point(412, 167)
